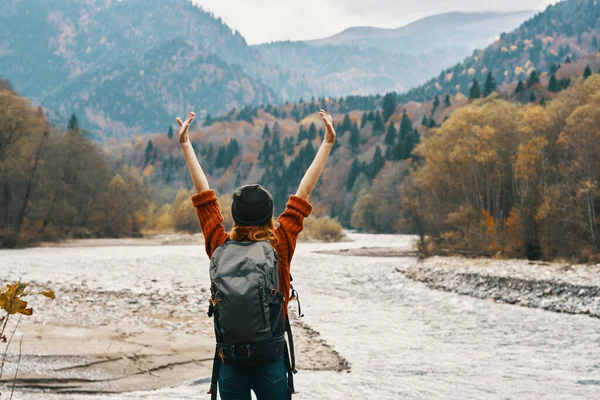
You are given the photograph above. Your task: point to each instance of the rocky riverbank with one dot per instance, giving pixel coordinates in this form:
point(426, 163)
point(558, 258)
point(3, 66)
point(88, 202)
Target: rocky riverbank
point(558, 287)
point(93, 340)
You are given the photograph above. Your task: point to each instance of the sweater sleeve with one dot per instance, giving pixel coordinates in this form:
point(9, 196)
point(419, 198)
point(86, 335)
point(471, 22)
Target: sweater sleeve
point(291, 223)
point(211, 220)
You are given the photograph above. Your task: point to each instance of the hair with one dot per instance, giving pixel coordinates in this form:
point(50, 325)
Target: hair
point(255, 233)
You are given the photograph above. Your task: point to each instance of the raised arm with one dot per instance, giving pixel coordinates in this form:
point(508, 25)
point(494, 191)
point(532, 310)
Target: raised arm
point(198, 176)
point(316, 168)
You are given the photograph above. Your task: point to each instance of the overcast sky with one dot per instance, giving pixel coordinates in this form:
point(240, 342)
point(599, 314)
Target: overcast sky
point(261, 21)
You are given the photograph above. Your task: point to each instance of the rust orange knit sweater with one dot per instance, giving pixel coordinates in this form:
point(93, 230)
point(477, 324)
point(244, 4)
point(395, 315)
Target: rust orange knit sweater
point(291, 223)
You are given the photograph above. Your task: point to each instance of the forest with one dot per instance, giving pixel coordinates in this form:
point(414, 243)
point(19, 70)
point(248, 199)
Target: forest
point(496, 177)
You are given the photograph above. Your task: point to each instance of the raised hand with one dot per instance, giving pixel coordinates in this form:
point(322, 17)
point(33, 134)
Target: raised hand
point(184, 127)
point(330, 131)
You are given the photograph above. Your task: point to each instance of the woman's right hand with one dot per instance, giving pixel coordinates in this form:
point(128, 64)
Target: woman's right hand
point(184, 128)
point(330, 131)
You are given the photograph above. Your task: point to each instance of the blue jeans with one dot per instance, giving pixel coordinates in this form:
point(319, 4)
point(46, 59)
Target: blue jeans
point(268, 382)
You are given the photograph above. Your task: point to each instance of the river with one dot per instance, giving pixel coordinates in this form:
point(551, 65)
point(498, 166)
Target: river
point(403, 340)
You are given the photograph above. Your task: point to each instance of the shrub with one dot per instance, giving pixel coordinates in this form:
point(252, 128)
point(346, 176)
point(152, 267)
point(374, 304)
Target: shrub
point(323, 228)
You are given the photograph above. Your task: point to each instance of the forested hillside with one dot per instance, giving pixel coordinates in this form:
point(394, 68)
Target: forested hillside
point(564, 33)
point(106, 59)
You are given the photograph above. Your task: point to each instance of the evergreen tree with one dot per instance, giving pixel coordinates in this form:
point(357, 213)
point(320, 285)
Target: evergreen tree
point(353, 174)
point(265, 154)
point(533, 79)
point(409, 145)
point(554, 68)
point(390, 136)
point(405, 126)
point(520, 87)
point(389, 106)
point(553, 84)
point(376, 164)
point(378, 125)
point(347, 124)
point(170, 133)
point(312, 131)
point(266, 132)
point(475, 91)
point(568, 60)
point(532, 98)
point(220, 160)
point(288, 146)
point(587, 73)
point(302, 135)
point(371, 116)
point(233, 150)
point(149, 150)
point(447, 101)
point(354, 140)
point(489, 86)
point(73, 123)
point(209, 155)
point(425, 120)
point(436, 103)
point(364, 120)
point(208, 121)
point(276, 143)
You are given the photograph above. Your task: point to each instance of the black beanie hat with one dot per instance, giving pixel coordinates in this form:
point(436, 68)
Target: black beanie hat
point(252, 206)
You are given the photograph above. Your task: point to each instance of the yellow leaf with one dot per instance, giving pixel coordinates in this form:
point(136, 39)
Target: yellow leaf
point(10, 301)
point(49, 294)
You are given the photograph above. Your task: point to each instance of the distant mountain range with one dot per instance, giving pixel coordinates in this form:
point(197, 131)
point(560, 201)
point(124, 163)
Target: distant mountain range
point(455, 30)
point(129, 66)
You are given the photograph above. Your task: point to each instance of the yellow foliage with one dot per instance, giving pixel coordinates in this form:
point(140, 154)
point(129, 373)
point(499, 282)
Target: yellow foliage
point(528, 158)
point(489, 222)
point(149, 171)
point(324, 228)
point(519, 70)
point(10, 300)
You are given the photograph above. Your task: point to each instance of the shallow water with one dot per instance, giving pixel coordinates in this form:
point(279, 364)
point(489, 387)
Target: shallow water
point(403, 341)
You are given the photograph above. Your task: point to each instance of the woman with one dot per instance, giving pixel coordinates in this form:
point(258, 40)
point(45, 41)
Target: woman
point(252, 212)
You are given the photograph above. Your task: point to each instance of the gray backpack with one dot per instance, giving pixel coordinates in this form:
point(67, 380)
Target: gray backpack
point(246, 304)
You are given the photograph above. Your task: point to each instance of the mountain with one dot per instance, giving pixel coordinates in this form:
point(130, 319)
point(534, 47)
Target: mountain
point(145, 93)
point(108, 61)
point(100, 57)
point(564, 33)
point(455, 30)
point(366, 60)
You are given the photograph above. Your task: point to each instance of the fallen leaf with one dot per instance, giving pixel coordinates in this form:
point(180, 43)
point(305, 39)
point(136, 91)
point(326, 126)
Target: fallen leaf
point(49, 294)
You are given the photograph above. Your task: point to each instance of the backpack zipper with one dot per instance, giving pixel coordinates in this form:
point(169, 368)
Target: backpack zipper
point(262, 305)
